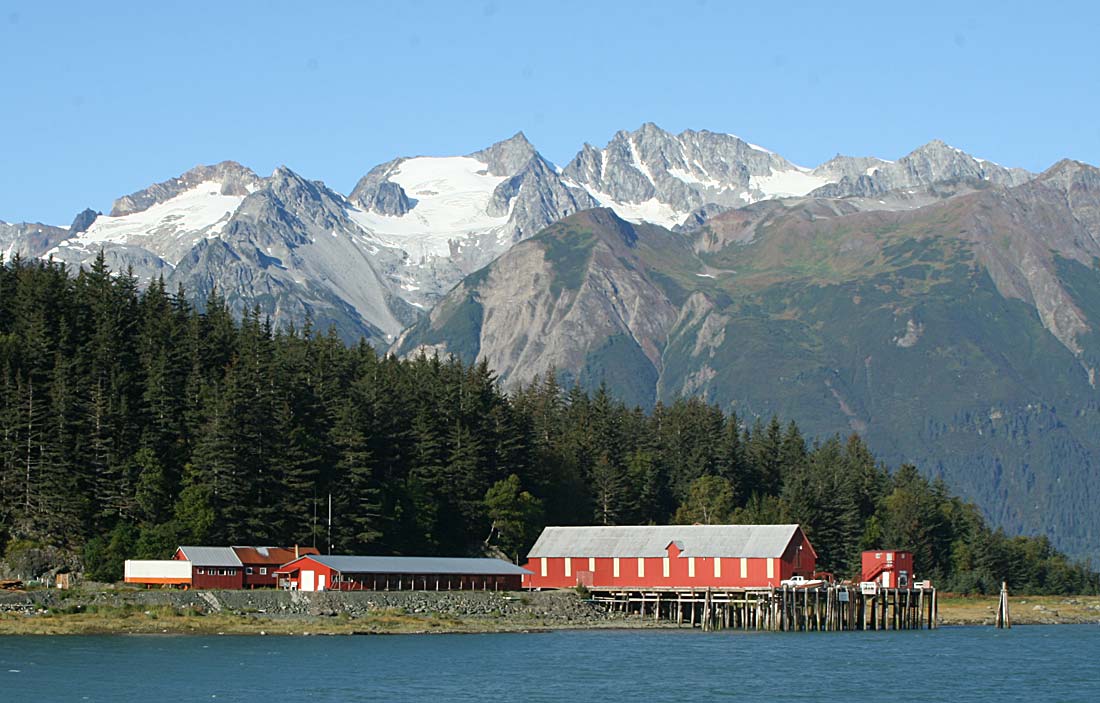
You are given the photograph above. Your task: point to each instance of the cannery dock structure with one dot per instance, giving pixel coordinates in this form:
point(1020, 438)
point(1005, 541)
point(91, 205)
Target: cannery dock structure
point(812, 607)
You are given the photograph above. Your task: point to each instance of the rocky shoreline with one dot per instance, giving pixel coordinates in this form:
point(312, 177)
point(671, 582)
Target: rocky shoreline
point(296, 612)
point(127, 611)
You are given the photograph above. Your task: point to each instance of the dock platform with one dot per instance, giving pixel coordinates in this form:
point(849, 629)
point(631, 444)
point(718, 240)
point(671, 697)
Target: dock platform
point(813, 608)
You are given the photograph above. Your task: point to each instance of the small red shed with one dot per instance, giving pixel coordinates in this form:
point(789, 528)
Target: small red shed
point(890, 568)
point(669, 556)
point(213, 567)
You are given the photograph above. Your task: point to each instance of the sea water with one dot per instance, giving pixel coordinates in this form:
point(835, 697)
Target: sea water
point(1032, 663)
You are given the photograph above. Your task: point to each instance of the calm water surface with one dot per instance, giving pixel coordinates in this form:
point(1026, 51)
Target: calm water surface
point(1037, 663)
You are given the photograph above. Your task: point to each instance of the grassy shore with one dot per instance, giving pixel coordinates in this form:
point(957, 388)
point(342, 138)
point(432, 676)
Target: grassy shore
point(176, 621)
point(81, 614)
point(1023, 610)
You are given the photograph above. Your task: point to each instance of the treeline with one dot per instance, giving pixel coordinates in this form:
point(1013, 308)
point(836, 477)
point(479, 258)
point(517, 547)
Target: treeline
point(131, 422)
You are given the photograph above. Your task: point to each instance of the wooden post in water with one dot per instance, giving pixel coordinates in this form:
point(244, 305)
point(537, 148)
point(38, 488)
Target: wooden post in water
point(1003, 619)
point(935, 610)
point(920, 609)
point(706, 611)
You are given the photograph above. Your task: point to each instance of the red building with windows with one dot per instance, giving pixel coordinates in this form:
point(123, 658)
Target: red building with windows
point(259, 564)
point(889, 568)
point(365, 573)
point(213, 567)
point(669, 556)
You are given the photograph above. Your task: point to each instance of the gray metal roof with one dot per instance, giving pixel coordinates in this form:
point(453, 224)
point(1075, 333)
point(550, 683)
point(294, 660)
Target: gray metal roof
point(754, 541)
point(211, 556)
point(420, 565)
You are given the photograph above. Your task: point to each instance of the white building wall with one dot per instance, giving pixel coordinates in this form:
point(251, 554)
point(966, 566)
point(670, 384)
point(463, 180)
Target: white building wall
point(157, 569)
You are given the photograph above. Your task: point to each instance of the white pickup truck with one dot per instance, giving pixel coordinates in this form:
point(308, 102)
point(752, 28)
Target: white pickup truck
point(800, 582)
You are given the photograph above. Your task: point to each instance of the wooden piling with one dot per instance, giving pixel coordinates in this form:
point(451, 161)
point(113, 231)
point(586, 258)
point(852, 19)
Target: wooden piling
point(1003, 619)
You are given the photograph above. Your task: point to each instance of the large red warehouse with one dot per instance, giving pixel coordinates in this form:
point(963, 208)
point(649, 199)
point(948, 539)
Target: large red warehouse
point(669, 556)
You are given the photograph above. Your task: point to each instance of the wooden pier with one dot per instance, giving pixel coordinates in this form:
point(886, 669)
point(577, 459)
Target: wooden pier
point(815, 608)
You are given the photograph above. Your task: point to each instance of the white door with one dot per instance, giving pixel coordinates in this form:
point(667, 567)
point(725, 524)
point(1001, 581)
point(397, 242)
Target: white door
point(320, 582)
point(886, 579)
point(307, 581)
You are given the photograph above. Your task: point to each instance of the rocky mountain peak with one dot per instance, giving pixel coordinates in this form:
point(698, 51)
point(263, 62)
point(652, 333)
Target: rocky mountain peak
point(83, 220)
point(1068, 174)
point(506, 158)
point(231, 177)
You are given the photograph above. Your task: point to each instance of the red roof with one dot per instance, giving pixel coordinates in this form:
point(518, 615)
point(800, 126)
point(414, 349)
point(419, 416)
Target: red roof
point(271, 556)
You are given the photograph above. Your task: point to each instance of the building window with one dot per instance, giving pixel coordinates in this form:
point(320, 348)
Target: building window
point(248, 570)
point(263, 571)
point(592, 564)
point(691, 568)
point(641, 567)
point(717, 567)
point(771, 568)
point(200, 572)
point(744, 568)
point(615, 566)
point(544, 566)
point(568, 566)
point(664, 566)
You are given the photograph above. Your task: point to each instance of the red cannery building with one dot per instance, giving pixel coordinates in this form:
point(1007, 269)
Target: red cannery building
point(259, 564)
point(889, 568)
point(213, 567)
point(359, 573)
point(669, 556)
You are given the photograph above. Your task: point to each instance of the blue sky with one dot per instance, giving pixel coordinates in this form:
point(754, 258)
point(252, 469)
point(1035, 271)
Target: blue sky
point(101, 99)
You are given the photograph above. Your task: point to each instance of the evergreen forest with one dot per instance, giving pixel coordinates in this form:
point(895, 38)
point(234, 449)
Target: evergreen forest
point(132, 421)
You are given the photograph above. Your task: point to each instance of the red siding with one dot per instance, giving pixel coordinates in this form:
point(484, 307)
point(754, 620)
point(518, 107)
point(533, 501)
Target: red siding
point(890, 564)
point(258, 580)
point(201, 577)
point(292, 573)
point(793, 561)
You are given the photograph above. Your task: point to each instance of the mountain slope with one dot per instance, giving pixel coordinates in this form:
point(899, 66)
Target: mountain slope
point(29, 239)
point(412, 227)
point(283, 244)
point(596, 304)
point(960, 335)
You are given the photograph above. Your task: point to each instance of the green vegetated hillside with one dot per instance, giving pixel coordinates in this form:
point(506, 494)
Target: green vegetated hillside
point(959, 336)
point(132, 422)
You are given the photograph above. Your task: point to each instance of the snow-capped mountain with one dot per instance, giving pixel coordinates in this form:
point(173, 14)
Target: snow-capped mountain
point(453, 215)
point(413, 227)
point(651, 175)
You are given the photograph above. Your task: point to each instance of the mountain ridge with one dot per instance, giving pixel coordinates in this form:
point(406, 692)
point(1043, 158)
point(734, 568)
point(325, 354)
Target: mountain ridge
point(959, 335)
